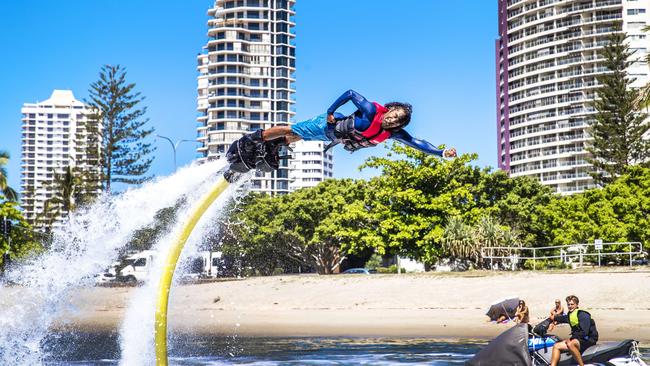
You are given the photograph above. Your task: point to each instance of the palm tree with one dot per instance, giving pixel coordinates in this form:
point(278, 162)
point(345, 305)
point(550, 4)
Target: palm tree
point(68, 184)
point(67, 194)
point(488, 232)
point(457, 241)
point(9, 193)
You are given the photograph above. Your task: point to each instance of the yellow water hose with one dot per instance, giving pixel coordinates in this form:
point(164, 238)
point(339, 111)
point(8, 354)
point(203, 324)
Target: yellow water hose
point(170, 266)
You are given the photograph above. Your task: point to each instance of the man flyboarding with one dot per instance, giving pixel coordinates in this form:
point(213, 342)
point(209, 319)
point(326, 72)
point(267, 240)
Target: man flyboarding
point(371, 124)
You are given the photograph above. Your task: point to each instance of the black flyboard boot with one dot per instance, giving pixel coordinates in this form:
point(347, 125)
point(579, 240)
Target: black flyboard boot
point(252, 152)
point(242, 154)
point(268, 158)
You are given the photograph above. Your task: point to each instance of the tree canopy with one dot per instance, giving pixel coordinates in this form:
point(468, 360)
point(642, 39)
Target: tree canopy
point(124, 153)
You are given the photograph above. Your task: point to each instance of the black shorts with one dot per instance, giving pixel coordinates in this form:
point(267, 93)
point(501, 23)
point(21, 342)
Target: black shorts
point(584, 344)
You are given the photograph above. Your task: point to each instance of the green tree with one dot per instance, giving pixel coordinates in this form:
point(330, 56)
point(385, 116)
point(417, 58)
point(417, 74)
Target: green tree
point(8, 192)
point(619, 212)
point(125, 155)
point(328, 204)
point(305, 227)
point(515, 203)
point(408, 205)
point(249, 235)
point(19, 240)
point(618, 128)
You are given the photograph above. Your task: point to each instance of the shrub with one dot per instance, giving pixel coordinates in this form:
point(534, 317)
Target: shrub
point(390, 269)
point(542, 264)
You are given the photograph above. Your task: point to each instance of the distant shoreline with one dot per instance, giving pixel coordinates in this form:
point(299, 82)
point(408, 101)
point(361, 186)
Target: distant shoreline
point(448, 307)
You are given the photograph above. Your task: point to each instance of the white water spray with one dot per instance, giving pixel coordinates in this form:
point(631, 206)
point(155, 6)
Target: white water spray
point(87, 243)
point(136, 334)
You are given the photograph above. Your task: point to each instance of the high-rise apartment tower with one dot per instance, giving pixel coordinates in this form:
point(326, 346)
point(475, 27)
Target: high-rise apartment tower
point(310, 165)
point(246, 79)
point(54, 136)
point(547, 59)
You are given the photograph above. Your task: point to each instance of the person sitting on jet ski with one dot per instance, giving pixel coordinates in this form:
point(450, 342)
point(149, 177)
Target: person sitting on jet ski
point(370, 125)
point(583, 332)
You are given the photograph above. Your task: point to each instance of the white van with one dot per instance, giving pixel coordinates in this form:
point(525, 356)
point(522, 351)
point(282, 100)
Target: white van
point(204, 265)
point(136, 266)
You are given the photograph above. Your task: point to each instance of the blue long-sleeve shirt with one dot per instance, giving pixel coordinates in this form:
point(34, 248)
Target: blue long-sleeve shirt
point(366, 112)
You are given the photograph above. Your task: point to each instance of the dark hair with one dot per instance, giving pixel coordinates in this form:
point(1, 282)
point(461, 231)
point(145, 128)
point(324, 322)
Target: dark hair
point(574, 298)
point(407, 108)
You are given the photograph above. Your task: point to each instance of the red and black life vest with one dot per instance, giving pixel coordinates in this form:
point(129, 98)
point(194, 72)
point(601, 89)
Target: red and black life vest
point(353, 139)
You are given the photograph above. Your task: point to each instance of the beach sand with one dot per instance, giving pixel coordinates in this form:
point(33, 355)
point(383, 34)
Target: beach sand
point(430, 305)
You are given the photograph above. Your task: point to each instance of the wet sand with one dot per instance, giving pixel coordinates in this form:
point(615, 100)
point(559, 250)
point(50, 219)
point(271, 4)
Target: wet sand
point(409, 305)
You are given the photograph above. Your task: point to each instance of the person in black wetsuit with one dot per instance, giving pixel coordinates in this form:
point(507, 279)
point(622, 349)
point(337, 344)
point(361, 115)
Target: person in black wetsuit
point(371, 124)
point(583, 332)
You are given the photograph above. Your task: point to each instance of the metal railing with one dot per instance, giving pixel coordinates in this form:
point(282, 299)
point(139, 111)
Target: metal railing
point(566, 253)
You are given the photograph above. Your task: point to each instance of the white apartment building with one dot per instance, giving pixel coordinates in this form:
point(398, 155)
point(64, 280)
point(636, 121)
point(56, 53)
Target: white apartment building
point(53, 137)
point(309, 165)
point(547, 59)
point(246, 78)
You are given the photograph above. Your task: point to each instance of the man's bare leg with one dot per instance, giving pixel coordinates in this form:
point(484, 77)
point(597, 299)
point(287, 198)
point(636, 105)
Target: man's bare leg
point(280, 131)
point(557, 349)
point(574, 348)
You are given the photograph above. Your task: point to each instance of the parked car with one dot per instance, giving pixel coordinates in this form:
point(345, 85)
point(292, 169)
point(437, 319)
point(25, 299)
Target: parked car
point(105, 277)
point(109, 275)
point(356, 271)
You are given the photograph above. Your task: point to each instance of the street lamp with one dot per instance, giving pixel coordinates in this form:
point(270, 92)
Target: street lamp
point(175, 145)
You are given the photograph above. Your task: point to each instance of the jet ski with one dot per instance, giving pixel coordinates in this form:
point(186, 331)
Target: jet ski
point(520, 345)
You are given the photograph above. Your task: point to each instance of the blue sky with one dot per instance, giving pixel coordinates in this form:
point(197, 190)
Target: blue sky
point(437, 55)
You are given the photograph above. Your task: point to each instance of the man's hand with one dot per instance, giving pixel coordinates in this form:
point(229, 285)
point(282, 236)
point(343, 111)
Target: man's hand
point(449, 153)
point(330, 118)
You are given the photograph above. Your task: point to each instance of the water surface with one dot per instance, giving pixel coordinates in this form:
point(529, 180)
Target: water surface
point(103, 349)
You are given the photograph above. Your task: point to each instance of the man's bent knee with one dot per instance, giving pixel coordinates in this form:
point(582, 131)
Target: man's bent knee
point(562, 346)
point(574, 345)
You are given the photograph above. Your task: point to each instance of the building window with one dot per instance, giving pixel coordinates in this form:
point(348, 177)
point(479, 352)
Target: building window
point(635, 11)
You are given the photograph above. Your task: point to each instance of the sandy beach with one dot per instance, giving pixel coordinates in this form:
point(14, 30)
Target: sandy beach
point(449, 305)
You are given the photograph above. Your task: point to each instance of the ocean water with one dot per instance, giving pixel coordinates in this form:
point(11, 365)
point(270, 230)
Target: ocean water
point(103, 349)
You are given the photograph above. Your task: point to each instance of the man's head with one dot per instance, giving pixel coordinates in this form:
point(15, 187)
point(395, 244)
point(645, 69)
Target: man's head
point(572, 302)
point(522, 303)
point(558, 302)
point(397, 117)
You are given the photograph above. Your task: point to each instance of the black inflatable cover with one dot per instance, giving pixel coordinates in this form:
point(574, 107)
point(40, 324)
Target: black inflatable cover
point(509, 348)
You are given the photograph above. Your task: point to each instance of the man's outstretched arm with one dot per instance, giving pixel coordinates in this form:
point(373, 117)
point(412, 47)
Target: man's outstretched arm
point(422, 145)
point(359, 101)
